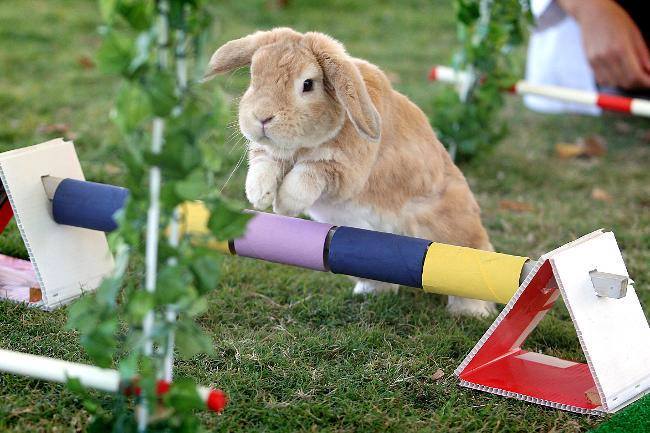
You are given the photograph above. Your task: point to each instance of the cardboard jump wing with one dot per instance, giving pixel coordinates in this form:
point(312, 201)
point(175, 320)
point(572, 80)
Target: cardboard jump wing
point(67, 261)
point(613, 333)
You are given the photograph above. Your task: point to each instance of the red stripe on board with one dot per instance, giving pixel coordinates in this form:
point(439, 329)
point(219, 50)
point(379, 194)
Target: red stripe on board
point(6, 213)
point(614, 103)
point(433, 74)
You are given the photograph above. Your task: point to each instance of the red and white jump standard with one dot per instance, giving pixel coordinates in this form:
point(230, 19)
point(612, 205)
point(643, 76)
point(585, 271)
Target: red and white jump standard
point(635, 106)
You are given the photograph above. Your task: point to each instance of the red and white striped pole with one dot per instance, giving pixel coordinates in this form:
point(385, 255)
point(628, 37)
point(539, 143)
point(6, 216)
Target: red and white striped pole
point(635, 106)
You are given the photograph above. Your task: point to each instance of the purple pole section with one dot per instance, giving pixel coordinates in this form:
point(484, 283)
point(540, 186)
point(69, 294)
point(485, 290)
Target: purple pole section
point(280, 239)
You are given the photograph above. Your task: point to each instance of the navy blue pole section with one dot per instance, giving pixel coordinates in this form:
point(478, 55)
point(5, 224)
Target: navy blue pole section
point(377, 256)
point(87, 204)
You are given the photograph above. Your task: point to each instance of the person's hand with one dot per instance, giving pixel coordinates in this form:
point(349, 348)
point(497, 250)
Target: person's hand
point(613, 43)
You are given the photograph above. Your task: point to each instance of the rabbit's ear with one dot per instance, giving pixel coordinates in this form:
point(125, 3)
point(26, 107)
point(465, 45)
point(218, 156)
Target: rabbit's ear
point(348, 85)
point(239, 52)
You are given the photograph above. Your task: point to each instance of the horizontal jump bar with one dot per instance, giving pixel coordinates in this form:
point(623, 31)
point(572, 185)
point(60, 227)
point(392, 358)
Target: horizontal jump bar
point(404, 260)
point(387, 257)
point(636, 106)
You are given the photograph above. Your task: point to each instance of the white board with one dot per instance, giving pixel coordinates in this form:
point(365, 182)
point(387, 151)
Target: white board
point(614, 333)
point(67, 260)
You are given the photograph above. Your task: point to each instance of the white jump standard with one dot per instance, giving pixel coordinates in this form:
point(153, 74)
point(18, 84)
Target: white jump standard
point(67, 260)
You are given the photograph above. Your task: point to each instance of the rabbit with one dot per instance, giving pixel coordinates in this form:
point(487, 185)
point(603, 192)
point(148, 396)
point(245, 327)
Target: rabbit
point(329, 137)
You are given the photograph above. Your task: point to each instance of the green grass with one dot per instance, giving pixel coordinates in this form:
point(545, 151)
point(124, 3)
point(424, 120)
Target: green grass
point(294, 349)
point(634, 419)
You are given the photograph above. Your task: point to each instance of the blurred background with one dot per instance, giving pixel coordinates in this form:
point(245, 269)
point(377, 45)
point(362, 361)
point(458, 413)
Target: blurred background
point(50, 87)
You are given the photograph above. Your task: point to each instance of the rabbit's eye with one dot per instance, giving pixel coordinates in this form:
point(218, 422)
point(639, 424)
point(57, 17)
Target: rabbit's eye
point(308, 85)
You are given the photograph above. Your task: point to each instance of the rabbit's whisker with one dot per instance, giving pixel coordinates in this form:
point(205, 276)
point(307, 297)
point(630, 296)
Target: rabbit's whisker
point(239, 163)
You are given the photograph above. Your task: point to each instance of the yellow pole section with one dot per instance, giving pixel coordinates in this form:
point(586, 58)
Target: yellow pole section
point(194, 222)
point(470, 273)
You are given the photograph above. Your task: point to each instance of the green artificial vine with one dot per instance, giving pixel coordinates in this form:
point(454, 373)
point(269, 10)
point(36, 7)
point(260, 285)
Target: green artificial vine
point(489, 30)
point(168, 128)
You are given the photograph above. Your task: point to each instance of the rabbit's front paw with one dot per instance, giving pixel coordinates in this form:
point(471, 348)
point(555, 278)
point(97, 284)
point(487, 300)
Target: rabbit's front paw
point(299, 190)
point(261, 185)
point(470, 307)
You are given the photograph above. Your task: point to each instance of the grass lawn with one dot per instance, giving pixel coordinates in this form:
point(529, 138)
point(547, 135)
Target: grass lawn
point(295, 350)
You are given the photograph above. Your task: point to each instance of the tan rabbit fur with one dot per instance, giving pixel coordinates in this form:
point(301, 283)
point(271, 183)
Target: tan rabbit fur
point(347, 148)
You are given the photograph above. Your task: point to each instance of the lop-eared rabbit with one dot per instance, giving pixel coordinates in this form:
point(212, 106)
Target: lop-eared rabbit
point(329, 137)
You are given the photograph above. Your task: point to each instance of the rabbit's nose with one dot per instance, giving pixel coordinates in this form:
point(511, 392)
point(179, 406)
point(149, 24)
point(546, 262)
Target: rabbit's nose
point(267, 120)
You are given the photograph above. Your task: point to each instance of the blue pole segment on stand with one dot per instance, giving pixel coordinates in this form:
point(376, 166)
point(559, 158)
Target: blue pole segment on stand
point(88, 205)
point(377, 256)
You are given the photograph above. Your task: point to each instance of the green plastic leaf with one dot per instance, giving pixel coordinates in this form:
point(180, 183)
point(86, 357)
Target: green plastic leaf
point(180, 158)
point(111, 422)
point(100, 343)
point(107, 10)
point(467, 11)
point(139, 304)
point(227, 221)
point(206, 273)
point(110, 321)
point(128, 367)
point(183, 396)
point(131, 155)
point(79, 314)
point(191, 340)
point(161, 88)
point(488, 32)
point(138, 13)
point(199, 306)
point(115, 53)
point(177, 14)
point(180, 146)
point(75, 386)
point(132, 108)
point(174, 284)
point(193, 187)
point(106, 294)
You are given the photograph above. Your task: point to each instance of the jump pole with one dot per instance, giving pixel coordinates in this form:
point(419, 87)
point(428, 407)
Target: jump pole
point(102, 379)
point(434, 267)
point(622, 104)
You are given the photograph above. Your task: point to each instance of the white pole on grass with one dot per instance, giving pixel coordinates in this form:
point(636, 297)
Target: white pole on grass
point(102, 379)
point(56, 370)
